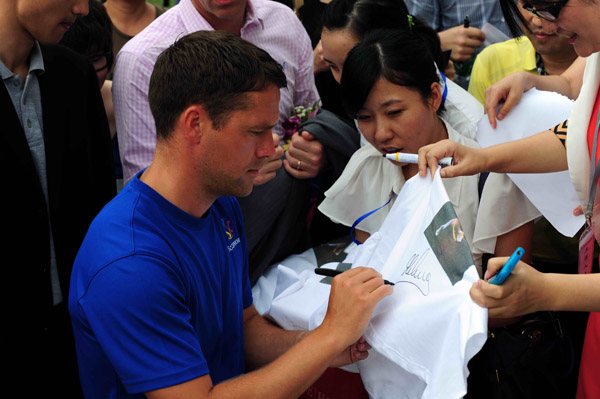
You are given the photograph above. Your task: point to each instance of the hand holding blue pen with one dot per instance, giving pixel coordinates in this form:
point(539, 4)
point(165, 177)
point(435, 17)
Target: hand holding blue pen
point(508, 267)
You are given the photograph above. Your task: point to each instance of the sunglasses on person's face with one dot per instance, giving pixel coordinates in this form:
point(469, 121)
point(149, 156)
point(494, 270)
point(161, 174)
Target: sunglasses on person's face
point(549, 12)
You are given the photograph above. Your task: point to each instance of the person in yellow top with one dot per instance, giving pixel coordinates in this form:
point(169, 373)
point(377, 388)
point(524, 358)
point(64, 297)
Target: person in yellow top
point(540, 51)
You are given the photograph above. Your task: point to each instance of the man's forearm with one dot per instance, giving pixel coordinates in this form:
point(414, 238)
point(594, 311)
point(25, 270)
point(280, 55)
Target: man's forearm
point(265, 342)
point(289, 375)
point(354, 295)
point(286, 377)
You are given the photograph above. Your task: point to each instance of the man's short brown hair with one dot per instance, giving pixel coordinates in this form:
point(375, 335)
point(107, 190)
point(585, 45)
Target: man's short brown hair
point(211, 68)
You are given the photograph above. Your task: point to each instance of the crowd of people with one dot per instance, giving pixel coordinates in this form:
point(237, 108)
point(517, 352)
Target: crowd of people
point(157, 178)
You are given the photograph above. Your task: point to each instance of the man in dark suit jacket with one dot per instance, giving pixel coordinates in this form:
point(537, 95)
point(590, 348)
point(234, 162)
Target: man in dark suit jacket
point(56, 161)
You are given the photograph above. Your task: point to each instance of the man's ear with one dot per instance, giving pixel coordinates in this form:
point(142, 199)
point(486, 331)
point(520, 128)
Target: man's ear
point(435, 99)
point(194, 122)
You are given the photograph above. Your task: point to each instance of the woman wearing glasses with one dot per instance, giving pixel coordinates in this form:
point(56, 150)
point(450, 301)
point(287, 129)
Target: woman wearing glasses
point(528, 290)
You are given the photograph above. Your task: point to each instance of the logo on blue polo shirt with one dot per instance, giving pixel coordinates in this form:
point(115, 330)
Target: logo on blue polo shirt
point(228, 229)
point(230, 234)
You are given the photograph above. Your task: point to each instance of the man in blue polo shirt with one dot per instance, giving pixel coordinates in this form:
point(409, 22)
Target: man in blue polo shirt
point(160, 296)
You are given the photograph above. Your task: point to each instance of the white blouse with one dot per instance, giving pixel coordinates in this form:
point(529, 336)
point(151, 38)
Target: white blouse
point(369, 180)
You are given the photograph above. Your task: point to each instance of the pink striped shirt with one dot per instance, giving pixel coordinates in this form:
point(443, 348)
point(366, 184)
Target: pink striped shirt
point(269, 25)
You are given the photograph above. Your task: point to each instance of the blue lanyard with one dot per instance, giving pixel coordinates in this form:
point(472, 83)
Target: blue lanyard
point(445, 93)
point(363, 217)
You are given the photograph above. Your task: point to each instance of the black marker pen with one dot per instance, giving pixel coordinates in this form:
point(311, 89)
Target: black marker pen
point(333, 273)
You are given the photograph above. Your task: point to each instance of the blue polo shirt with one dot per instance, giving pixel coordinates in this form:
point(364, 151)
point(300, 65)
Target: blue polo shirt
point(157, 295)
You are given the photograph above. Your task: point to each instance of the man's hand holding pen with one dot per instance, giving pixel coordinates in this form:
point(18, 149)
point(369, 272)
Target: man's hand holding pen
point(354, 295)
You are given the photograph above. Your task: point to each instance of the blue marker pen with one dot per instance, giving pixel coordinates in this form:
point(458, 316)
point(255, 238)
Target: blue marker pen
point(508, 267)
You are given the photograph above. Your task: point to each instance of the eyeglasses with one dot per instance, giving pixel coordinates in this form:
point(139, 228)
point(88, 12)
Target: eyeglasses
point(94, 58)
point(550, 13)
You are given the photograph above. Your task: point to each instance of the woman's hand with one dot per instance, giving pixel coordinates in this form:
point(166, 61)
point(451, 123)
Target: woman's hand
point(523, 292)
point(305, 157)
point(509, 89)
point(467, 161)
